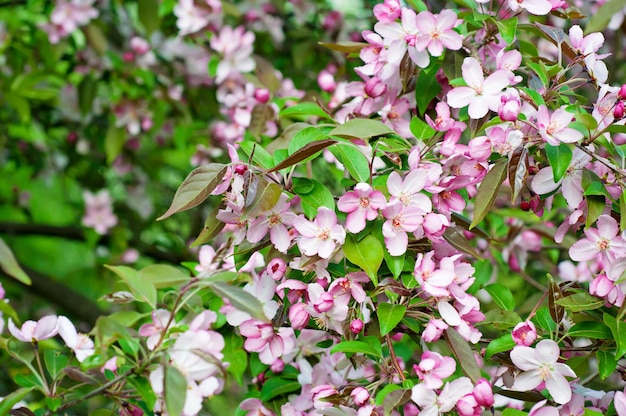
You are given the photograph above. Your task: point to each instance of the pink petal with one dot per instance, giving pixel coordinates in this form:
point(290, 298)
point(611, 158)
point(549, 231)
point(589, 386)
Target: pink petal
point(543, 182)
point(607, 226)
point(472, 73)
point(559, 388)
point(525, 358)
point(459, 97)
point(527, 381)
point(583, 250)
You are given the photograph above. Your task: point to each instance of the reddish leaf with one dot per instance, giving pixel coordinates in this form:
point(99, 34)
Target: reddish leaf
point(299, 155)
point(518, 170)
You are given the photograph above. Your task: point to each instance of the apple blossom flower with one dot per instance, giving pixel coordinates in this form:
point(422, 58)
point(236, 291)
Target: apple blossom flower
point(360, 396)
point(81, 344)
point(400, 221)
point(619, 401)
point(553, 127)
point(510, 105)
point(433, 368)
point(320, 236)
point(435, 32)
point(255, 408)
point(604, 240)
point(540, 365)
point(433, 404)
point(154, 331)
point(99, 211)
point(276, 221)
point(32, 331)
point(524, 333)
point(480, 94)
point(191, 18)
point(536, 7)
point(388, 11)
point(361, 204)
point(483, 393)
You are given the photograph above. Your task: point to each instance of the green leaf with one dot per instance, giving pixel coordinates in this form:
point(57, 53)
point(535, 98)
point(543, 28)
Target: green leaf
point(601, 18)
point(266, 197)
point(509, 411)
point(367, 254)
point(162, 276)
point(544, 320)
point(240, 299)
point(606, 363)
point(55, 362)
point(500, 319)
point(498, 345)
point(12, 399)
point(580, 301)
point(488, 191)
point(149, 15)
point(260, 156)
point(507, 28)
point(427, 87)
point(353, 159)
point(501, 295)
point(420, 129)
point(595, 207)
point(618, 328)
point(212, 227)
point(534, 95)
point(312, 196)
point(87, 91)
point(10, 266)
point(196, 188)
point(389, 316)
point(175, 390)
point(303, 153)
point(463, 353)
point(380, 396)
point(303, 137)
point(560, 158)
point(277, 386)
point(362, 128)
point(590, 329)
point(305, 109)
point(356, 347)
point(142, 289)
point(589, 412)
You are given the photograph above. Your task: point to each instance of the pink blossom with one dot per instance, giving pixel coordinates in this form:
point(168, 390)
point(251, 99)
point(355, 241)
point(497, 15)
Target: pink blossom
point(69, 15)
point(571, 184)
point(480, 94)
point(32, 331)
point(483, 393)
point(388, 11)
point(255, 408)
point(320, 236)
point(436, 32)
point(407, 190)
point(604, 240)
point(510, 105)
point(443, 122)
point(433, 404)
point(81, 344)
point(192, 18)
point(99, 211)
point(400, 221)
point(276, 221)
point(362, 205)
point(524, 333)
point(356, 326)
point(585, 45)
point(536, 7)
point(540, 365)
point(154, 331)
point(434, 329)
point(619, 401)
point(236, 46)
point(433, 368)
point(553, 127)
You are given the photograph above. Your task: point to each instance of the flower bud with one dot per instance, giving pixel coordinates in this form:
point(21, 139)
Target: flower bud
point(277, 366)
point(621, 94)
point(618, 111)
point(262, 95)
point(356, 326)
point(375, 87)
point(298, 316)
point(509, 108)
point(326, 81)
point(360, 396)
point(483, 393)
point(324, 303)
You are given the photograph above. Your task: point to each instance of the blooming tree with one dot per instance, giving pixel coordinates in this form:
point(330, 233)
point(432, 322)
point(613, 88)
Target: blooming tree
point(439, 228)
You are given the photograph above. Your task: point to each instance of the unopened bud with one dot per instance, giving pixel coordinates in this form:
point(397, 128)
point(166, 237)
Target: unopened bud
point(356, 326)
point(621, 94)
point(618, 111)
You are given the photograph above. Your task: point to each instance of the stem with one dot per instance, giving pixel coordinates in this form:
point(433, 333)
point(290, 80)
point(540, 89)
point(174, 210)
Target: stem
point(43, 375)
point(394, 359)
point(95, 392)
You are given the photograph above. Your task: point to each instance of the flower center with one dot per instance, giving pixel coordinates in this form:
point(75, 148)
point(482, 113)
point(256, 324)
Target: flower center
point(602, 244)
point(553, 127)
point(365, 202)
point(275, 219)
point(324, 234)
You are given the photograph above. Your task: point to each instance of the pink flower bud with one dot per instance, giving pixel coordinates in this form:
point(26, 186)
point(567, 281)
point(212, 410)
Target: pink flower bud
point(356, 326)
point(621, 94)
point(324, 303)
point(618, 111)
point(146, 123)
point(483, 393)
point(262, 95)
point(388, 11)
point(298, 316)
point(468, 406)
point(524, 333)
point(139, 46)
point(277, 366)
point(332, 21)
point(510, 106)
point(360, 396)
point(128, 56)
point(326, 81)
